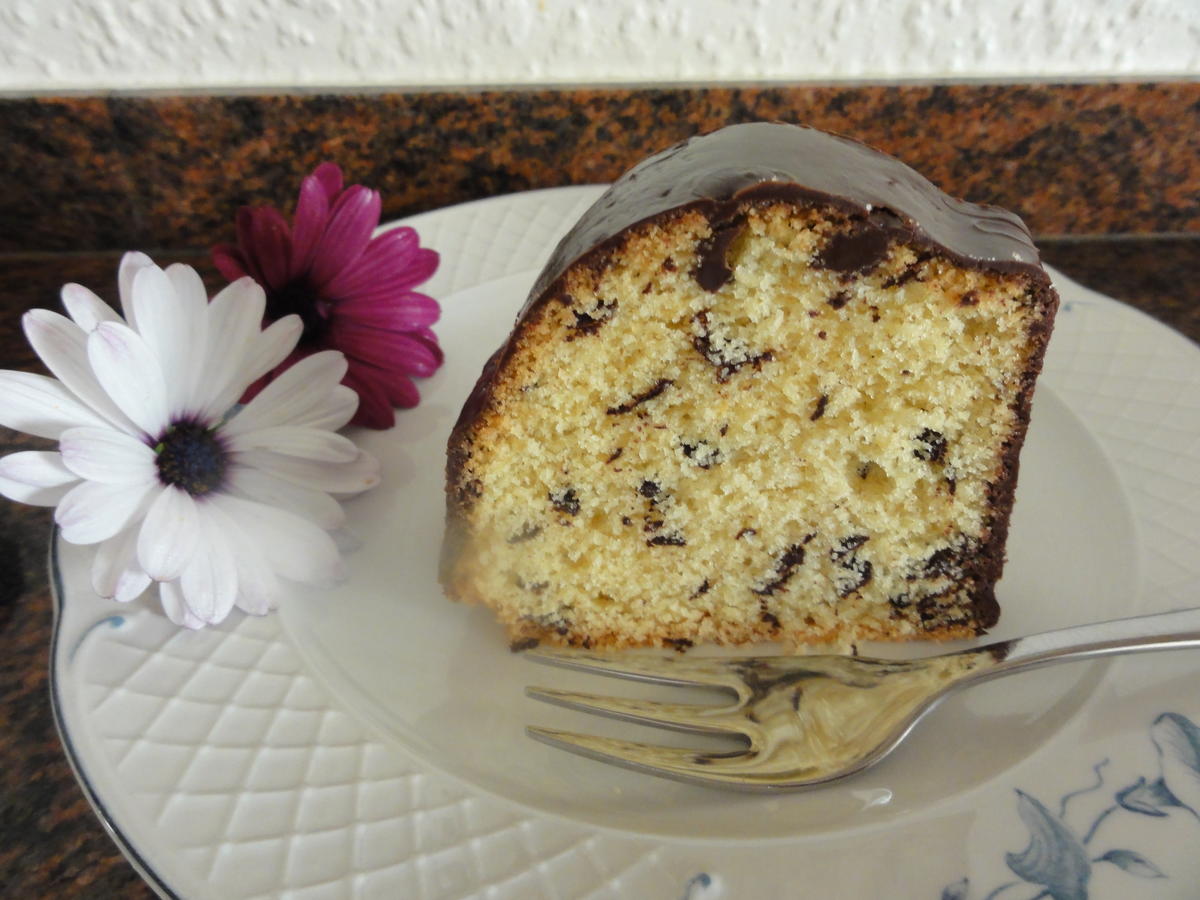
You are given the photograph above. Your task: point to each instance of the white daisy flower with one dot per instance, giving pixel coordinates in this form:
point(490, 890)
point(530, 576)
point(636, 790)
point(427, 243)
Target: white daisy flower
point(156, 463)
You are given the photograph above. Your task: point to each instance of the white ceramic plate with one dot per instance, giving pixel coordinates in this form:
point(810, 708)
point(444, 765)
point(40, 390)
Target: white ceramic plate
point(368, 740)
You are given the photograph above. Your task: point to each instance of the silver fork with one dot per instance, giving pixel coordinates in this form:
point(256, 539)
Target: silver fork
point(811, 720)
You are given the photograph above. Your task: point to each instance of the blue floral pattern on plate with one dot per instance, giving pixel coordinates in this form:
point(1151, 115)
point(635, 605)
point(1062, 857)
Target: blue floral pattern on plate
point(1057, 863)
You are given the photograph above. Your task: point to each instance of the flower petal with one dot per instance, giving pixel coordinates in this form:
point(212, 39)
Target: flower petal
point(266, 242)
point(131, 264)
point(386, 349)
point(116, 574)
point(305, 443)
point(396, 388)
point(41, 406)
point(171, 312)
point(374, 407)
point(354, 216)
point(92, 512)
point(32, 494)
point(128, 371)
point(234, 324)
point(309, 220)
point(316, 506)
point(111, 457)
point(258, 585)
point(334, 478)
point(271, 347)
point(170, 593)
point(297, 390)
point(229, 261)
point(86, 308)
point(394, 261)
point(193, 298)
point(290, 544)
point(209, 582)
point(391, 312)
point(244, 223)
point(329, 175)
point(36, 468)
point(170, 535)
point(62, 345)
point(331, 413)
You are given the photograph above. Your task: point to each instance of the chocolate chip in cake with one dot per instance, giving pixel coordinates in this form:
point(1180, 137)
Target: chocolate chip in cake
point(565, 501)
point(933, 446)
point(590, 322)
point(557, 621)
point(525, 643)
point(625, 520)
point(726, 356)
point(947, 562)
point(909, 274)
point(785, 566)
point(970, 298)
point(638, 399)
point(615, 455)
point(846, 546)
point(675, 539)
point(858, 571)
point(704, 588)
point(670, 265)
point(701, 453)
point(527, 532)
point(680, 644)
point(838, 300)
point(819, 410)
point(534, 587)
point(652, 491)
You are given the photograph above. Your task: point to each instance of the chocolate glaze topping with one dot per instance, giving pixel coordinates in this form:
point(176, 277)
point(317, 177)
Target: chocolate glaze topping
point(765, 161)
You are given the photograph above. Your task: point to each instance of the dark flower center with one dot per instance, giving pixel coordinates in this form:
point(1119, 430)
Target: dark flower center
point(191, 457)
point(300, 298)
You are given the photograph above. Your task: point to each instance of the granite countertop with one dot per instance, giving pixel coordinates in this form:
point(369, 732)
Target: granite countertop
point(1107, 175)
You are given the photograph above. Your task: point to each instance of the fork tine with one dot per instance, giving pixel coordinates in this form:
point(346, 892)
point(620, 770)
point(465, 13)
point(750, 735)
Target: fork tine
point(667, 670)
point(693, 718)
point(692, 766)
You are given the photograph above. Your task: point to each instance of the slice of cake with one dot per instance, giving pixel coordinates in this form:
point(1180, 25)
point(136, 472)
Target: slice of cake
point(772, 386)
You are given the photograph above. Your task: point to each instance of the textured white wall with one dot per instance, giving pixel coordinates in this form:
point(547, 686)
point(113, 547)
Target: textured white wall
point(100, 44)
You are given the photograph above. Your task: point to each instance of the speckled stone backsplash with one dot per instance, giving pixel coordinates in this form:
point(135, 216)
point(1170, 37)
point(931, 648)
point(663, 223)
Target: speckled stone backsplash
point(96, 173)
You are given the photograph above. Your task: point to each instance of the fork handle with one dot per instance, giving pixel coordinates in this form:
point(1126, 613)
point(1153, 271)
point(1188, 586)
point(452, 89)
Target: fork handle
point(1162, 631)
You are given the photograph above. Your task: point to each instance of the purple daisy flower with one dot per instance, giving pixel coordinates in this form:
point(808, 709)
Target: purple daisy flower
point(353, 292)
